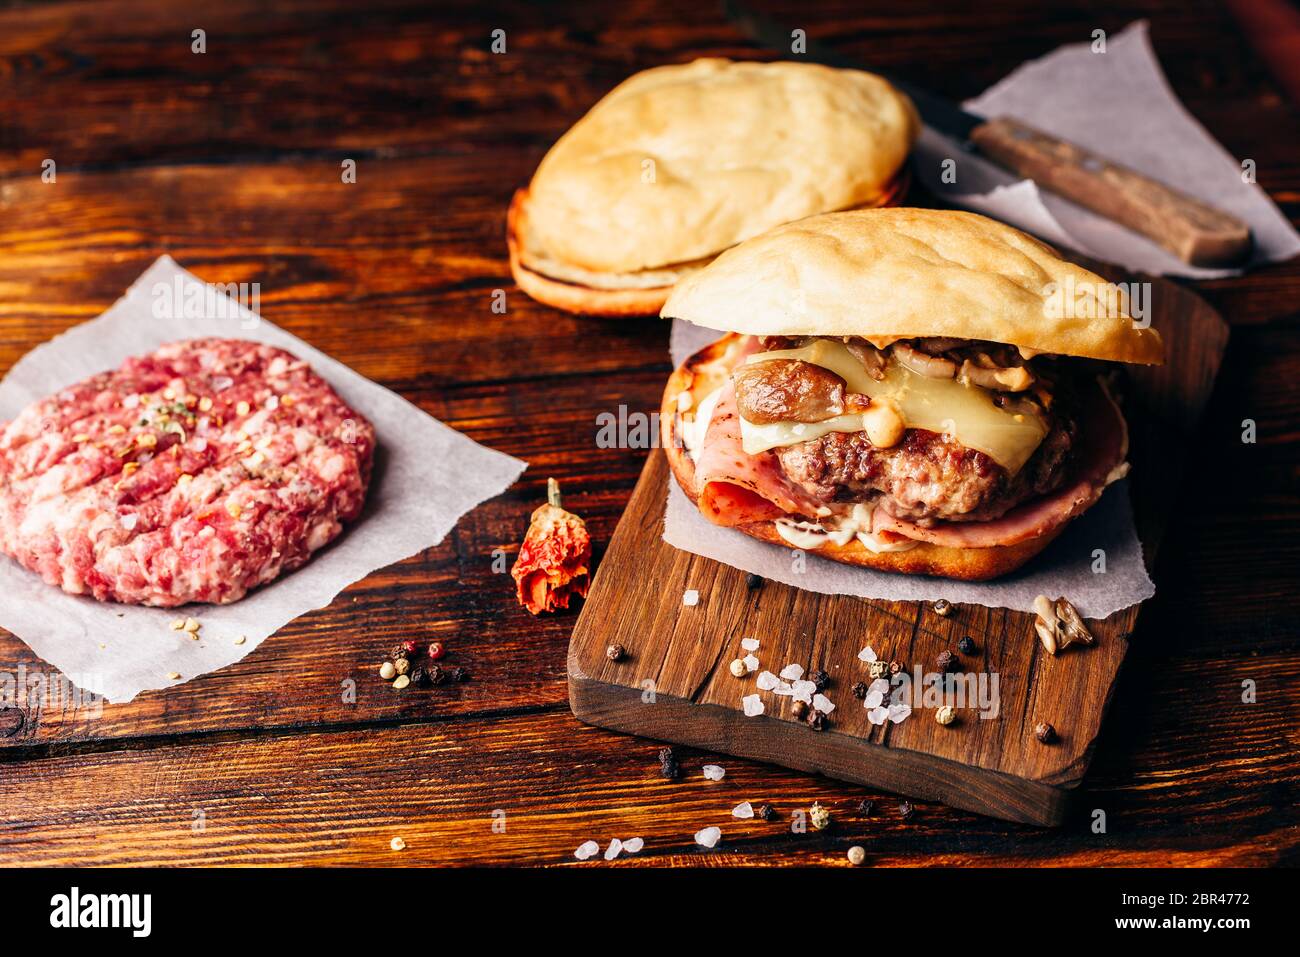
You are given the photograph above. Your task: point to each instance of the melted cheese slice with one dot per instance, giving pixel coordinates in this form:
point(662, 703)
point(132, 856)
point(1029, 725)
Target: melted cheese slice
point(961, 410)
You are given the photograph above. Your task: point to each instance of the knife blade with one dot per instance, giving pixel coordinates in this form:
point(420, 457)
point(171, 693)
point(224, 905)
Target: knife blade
point(1191, 229)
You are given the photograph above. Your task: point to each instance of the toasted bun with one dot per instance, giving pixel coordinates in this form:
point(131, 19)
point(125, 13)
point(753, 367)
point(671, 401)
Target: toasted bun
point(703, 372)
point(611, 295)
point(886, 274)
point(572, 296)
point(680, 162)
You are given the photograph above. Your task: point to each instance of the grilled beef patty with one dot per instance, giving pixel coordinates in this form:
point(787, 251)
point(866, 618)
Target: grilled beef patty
point(926, 476)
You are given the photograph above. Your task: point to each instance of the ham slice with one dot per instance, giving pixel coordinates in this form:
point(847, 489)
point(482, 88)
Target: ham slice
point(736, 488)
point(1101, 461)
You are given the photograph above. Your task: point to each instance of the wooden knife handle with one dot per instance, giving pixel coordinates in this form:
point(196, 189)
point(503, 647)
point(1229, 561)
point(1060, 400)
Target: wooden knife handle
point(1193, 231)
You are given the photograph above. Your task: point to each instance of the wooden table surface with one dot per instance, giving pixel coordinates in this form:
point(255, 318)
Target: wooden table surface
point(230, 162)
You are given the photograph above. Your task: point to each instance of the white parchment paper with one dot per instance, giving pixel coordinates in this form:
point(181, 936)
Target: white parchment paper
point(1066, 567)
point(426, 477)
point(1119, 105)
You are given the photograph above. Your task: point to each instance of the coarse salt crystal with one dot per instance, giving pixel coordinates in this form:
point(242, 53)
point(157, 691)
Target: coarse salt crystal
point(743, 810)
point(880, 684)
point(767, 681)
point(784, 689)
point(612, 851)
point(873, 700)
point(708, 837)
point(750, 663)
point(867, 654)
point(749, 644)
point(753, 705)
point(792, 672)
point(898, 712)
point(822, 703)
point(690, 598)
point(586, 849)
point(634, 845)
point(714, 772)
point(878, 715)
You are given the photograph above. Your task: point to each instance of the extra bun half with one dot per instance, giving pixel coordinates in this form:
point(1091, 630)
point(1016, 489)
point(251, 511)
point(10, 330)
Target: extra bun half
point(678, 163)
point(886, 274)
point(704, 372)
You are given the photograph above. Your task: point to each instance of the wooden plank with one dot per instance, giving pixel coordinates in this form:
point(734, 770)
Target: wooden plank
point(410, 304)
point(340, 797)
point(994, 766)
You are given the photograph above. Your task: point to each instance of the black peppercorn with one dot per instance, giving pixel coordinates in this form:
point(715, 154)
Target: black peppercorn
point(437, 675)
point(420, 677)
point(767, 812)
point(966, 646)
point(615, 652)
point(459, 674)
point(1044, 732)
point(668, 765)
point(404, 649)
point(753, 581)
point(816, 720)
point(945, 662)
point(860, 690)
point(820, 679)
point(799, 708)
point(864, 808)
point(906, 810)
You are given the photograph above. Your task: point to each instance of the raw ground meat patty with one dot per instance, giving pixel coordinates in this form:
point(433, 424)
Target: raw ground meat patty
point(189, 475)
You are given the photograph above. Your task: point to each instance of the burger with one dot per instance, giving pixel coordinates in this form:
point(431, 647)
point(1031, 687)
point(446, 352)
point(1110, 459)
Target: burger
point(680, 162)
point(919, 391)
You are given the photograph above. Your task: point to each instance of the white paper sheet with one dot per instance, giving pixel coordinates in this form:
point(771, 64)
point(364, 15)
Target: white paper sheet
point(1119, 105)
point(426, 477)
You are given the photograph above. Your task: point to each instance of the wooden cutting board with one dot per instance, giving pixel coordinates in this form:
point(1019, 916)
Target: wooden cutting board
point(674, 683)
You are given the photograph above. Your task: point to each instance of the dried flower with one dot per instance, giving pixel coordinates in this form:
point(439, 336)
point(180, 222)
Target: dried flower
point(554, 561)
point(1044, 732)
point(942, 607)
point(737, 668)
point(615, 653)
point(946, 715)
point(753, 581)
point(878, 669)
point(1058, 625)
point(819, 817)
point(819, 678)
point(860, 690)
point(966, 646)
point(857, 854)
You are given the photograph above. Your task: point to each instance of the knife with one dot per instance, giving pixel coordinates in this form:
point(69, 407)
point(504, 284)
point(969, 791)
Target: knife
point(1192, 230)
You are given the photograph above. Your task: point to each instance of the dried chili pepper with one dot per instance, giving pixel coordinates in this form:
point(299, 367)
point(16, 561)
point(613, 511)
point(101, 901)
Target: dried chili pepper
point(554, 561)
